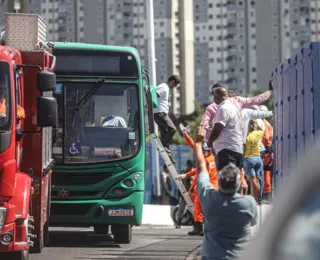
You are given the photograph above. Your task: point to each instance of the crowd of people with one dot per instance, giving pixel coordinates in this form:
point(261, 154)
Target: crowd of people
point(234, 158)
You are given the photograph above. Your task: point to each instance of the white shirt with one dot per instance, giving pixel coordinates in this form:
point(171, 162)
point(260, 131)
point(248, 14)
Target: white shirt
point(231, 134)
point(250, 114)
point(163, 100)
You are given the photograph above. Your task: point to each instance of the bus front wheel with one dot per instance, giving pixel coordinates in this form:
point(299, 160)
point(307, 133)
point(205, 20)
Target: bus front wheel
point(122, 233)
point(101, 230)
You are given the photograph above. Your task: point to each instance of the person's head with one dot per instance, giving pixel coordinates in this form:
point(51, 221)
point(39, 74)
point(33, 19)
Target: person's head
point(219, 93)
point(173, 81)
point(253, 125)
point(263, 108)
point(165, 168)
point(229, 179)
point(189, 165)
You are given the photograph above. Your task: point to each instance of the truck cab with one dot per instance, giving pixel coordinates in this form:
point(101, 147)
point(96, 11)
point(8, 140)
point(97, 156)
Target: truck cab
point(27, 113)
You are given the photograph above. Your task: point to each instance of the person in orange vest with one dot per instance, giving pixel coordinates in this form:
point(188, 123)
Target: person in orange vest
point(197, 215)
point(3, 106)
point(268, 157)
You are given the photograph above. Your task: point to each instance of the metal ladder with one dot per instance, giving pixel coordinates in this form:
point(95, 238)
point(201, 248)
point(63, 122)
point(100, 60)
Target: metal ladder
point(173, 172)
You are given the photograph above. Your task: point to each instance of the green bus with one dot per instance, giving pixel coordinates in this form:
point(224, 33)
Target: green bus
point(105, 112)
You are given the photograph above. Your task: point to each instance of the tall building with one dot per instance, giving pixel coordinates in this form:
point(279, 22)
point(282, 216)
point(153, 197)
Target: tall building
point(124, 22)
point(225, 48)
point(239, 42)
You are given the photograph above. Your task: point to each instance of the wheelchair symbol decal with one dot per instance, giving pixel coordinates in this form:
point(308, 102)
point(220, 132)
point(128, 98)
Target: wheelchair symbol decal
point(74, 148)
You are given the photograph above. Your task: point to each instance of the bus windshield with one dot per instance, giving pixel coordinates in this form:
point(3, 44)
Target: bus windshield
point(97, 122)
point(5, 107)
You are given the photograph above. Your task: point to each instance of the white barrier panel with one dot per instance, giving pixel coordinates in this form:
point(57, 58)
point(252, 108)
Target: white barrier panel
point(161, 215)
point(157, 215)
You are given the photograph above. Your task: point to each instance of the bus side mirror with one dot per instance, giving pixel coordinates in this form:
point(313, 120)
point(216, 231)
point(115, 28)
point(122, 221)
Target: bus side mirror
point(46, 81)
point(47, 112)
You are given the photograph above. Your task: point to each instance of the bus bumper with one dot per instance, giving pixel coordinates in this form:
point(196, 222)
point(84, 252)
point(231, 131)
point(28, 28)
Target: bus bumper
point(97, 212)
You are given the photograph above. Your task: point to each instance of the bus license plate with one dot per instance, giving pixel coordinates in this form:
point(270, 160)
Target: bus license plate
point(121, 212)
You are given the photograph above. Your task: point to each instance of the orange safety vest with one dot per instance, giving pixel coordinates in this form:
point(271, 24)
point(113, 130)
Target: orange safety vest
point(20, 110)
point(211, 166)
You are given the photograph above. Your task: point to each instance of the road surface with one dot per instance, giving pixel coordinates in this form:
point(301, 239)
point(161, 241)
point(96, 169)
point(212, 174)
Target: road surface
point(159, 243)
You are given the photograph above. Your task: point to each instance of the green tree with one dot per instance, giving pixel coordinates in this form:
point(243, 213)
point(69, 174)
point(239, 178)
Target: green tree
point(191, 121)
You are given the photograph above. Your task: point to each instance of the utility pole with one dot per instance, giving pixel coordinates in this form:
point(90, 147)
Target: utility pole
point(152, 71)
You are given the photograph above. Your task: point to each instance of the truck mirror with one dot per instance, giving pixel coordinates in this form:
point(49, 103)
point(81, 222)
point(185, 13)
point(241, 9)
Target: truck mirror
point(47, 111)
point(46, 81)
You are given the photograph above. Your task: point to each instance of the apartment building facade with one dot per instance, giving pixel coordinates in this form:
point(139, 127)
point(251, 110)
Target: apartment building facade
point(124, 22)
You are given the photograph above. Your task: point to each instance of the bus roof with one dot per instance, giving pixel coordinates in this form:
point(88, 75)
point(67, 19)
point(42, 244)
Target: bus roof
point(90, 46)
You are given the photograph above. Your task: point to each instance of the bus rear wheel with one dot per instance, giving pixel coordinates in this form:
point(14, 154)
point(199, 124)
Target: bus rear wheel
point(122, 233)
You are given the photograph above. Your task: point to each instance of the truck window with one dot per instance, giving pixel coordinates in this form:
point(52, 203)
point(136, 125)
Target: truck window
point(5, 101)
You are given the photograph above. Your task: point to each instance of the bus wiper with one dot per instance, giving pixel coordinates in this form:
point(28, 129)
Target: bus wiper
point(90, 93)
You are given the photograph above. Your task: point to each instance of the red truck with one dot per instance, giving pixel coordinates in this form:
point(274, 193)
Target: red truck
point(27, 113)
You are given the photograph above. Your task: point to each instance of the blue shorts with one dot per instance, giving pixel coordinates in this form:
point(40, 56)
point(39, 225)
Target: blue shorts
point(253, 166)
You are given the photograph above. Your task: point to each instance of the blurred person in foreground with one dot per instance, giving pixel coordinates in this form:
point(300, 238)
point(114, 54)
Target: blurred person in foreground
point(227, 214)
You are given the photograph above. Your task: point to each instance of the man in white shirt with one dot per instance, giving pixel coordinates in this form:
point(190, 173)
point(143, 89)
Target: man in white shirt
point(166, 126)
point(226, 135)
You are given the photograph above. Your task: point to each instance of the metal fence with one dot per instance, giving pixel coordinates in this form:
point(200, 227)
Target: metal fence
point(180, 153)
point(296, 111)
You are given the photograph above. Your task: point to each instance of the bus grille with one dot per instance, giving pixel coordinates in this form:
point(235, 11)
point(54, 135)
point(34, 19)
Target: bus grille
point(69, 209)
point(78, 179)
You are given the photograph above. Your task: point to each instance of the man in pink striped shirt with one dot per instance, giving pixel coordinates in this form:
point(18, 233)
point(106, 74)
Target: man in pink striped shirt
point(239, 102)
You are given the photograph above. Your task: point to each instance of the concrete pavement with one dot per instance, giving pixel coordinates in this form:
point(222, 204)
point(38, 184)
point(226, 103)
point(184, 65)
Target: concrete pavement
point(149, 242)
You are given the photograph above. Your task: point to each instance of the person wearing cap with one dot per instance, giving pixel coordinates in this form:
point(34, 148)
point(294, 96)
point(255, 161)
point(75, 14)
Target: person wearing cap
point(228, 215)
point(167, 128)
point(239, 102)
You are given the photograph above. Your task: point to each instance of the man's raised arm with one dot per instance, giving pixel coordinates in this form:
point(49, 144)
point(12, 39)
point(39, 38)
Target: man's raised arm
point(203, 182)
point(257, 100)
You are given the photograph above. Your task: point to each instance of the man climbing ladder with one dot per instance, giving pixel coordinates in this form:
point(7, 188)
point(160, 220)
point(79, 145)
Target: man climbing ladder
point(166, 126)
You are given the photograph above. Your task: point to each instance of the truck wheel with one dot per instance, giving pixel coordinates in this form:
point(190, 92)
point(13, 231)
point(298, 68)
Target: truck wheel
point(18, 255)
point(101, 230)
point(122, 233)
point(46, 235)
point(38, 243)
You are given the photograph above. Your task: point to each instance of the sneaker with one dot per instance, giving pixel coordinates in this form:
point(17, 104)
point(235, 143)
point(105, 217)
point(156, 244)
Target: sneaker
point(167, 150)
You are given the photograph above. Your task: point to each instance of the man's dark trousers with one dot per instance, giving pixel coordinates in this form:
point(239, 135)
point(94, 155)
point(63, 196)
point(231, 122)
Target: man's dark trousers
point(227, 156)
point(166, 127)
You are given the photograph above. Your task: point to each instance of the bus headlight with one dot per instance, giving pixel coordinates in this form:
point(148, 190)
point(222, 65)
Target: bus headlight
point(118, 192)
point(3, 213)
point(129, 183)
